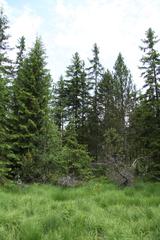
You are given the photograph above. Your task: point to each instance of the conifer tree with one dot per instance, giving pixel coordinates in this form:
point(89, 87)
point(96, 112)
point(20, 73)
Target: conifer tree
point(106, 106)
point(31, 141)
point(21, 48)
point(5, 77)
point(124, 98)
point(124, 90)
point(59, 104)
point(151, 68)
point(85, 105)
point(14, 109)
point(146, 118)
point(95, 73)
point(73, 89)
point(106, 100)
point(77, 96)
point(76, 159)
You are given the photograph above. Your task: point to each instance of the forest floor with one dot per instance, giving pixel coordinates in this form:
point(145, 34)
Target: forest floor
point(95, 211)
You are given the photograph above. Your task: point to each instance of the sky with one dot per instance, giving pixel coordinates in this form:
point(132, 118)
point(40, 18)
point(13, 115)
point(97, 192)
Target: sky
point(69, 26)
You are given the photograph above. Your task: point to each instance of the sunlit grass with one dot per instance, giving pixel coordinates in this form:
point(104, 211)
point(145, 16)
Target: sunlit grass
point(95, 211)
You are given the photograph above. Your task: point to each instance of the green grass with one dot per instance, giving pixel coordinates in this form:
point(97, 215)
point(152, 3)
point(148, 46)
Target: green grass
point(95, 211)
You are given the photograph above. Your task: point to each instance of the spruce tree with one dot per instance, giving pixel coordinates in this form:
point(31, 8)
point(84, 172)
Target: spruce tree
point(125, 95)
point(106, 107)
point(77, 96)
point(73, 88)
point(32, 118)
point(21, 48)
point(146, 118)
point(76, 159)
point(106, 100)
point(85, 106)
point(95, 73)
point(5, 78)
point(151, 70)
point(14, 109)
point(59, 104)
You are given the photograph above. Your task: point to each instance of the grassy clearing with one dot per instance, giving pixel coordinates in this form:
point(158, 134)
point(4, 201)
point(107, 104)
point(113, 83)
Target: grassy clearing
point(96, 211)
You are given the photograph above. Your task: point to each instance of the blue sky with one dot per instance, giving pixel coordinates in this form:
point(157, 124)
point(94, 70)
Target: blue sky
point(67, 26)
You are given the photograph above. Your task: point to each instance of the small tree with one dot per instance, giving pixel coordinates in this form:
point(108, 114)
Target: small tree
point(117, 170)
point(75, 157)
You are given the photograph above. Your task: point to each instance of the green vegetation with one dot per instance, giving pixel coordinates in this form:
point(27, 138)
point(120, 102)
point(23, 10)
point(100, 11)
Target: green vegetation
point(91, 123)
point(97, 210)
point(91, 118)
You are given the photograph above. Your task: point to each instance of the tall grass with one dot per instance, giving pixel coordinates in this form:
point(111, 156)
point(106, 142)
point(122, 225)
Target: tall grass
point(95, 211)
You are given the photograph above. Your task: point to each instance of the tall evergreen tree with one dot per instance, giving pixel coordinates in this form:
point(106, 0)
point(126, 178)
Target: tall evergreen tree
point(106, 106)
point(95, 73)
point(151, 68)
point(59, 104)
point(146, 118)
point(78, 96)
point(21, 48)
point(73, 88)
point(124, 90)
point(33, 117)
point(14, 108)
point(5, 75)
point(85, 105)
point(106, 101)
point(125, 95)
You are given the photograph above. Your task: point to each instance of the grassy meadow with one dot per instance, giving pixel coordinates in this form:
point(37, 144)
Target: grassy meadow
point(95, 211)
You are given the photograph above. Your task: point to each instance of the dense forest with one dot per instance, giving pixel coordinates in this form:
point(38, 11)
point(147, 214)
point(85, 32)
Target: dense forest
point(91, 122)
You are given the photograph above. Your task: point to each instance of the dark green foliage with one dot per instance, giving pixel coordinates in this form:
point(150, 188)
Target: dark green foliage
point(95, 74)
point(146, 118)
point(21, 48)
point(106, 100)
point(76, 159)
point(31, 138)
point(106, 106)
point(59, 104)
point(72, 99)
point(116, 101)
point(85, 106)
point(14, 108)
point(47, 160)
point(124, 92)
point(125, 99)
point(151, 67)
point(113, 143)
point(73, 89)
point(45, 133)
point(5, 75)
point(77, 92)
point(151, 103)
point(146, 140)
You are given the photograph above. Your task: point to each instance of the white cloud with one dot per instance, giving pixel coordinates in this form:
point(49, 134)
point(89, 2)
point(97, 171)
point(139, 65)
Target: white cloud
point(3, 4)
point(70, 26)
point(22, 22)
point(115, 26)
point(26, 23)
